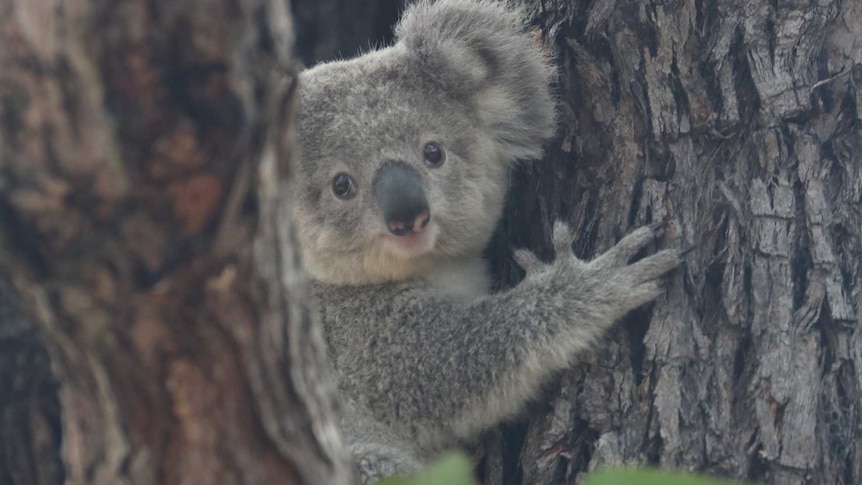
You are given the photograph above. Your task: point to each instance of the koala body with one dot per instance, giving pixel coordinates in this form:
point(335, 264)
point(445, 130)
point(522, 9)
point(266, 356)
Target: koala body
point(402, 174)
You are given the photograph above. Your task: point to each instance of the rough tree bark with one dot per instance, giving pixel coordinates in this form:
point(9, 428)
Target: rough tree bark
point(739, 123)
point(142, 151)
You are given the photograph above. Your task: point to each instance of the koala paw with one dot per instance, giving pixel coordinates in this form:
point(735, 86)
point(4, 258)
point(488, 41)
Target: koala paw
point(639, 282)
point(376, 462)
point(562, 237)
point(607, 287)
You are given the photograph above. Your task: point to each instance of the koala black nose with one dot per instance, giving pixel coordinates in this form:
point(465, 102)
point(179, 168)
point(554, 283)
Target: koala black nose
point(402, 202)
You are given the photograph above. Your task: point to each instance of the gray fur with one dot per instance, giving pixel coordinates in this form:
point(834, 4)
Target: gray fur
point(426, 358)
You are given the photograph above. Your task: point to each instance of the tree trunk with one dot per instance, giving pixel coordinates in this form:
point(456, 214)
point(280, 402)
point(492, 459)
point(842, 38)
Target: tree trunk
point(739, 124)
point(29, 410)
point(142, 152)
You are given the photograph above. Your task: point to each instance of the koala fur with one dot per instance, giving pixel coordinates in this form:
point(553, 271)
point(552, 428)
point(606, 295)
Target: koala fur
point(392, 237)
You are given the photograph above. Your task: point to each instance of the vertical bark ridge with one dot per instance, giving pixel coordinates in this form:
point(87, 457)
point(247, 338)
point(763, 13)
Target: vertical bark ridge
point(142, 232)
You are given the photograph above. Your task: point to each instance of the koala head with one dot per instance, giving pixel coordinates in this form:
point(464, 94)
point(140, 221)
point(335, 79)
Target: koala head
point(404, 152)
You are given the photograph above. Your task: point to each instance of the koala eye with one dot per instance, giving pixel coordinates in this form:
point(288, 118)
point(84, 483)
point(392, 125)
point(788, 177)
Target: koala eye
point(343, 186)
point(434, 154)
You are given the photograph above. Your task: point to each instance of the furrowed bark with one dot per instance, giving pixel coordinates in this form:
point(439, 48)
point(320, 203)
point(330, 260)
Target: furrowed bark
point(739, 124)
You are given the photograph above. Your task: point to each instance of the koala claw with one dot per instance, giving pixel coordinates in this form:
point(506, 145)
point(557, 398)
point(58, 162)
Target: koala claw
point(655, 266)
point(684, 252)
point(624, 250)
point(563, 237)
point(645, 277)
point(658, 228)
point(528, 261)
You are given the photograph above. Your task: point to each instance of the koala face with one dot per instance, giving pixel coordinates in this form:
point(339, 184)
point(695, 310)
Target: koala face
point(404, 152)
point(382, 145)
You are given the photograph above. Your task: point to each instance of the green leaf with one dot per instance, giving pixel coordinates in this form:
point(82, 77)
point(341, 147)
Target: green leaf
point(453, 469)
point(634, 476)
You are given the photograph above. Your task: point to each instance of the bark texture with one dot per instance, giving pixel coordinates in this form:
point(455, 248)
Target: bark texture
point(142, 151)
point(739, 124)
point(29, 410)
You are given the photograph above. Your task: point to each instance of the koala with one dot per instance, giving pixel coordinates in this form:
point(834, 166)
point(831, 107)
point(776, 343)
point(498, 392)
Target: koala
point(401, 178)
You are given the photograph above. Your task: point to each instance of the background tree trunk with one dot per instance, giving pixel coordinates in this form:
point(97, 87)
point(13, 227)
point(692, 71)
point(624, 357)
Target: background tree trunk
point(142, 153)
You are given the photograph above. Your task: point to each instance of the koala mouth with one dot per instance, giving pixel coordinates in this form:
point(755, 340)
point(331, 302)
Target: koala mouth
point(404, 210)
point(412, 245)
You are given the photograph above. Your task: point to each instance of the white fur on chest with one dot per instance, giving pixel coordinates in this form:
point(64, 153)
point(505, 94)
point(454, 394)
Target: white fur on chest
point(463, 280)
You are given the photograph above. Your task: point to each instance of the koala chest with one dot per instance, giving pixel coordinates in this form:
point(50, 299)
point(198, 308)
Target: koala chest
point(462, 280)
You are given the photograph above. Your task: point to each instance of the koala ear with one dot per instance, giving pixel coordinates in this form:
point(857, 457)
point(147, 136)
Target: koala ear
point(480, 49)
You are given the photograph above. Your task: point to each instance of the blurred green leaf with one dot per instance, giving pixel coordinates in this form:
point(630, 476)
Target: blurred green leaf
point(456, 469)
point(453, 469)
point(641, 476)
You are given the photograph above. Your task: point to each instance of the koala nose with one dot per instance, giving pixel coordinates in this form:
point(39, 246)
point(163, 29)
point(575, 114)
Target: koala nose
point(402, 202)
point(402, 228)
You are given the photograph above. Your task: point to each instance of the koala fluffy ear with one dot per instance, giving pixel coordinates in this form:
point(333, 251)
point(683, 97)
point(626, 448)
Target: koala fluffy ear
point(480, 49)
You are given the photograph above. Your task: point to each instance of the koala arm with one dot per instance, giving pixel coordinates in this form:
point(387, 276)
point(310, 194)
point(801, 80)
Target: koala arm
point(432, 369)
